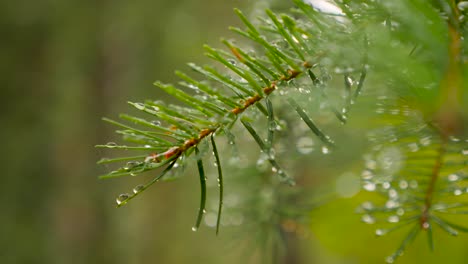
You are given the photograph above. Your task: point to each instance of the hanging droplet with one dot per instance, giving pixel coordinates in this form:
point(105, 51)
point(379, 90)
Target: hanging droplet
point(325, 150)
point(390, 259)
point(386, 185)
point(393, 219)
point(367, 206)
point(413, 147)
point(403, 184)
point(138, 188)
point(156, 122)
point(392, 193)
point(453, 177)
point(367, 175)
point(380, 232)
point(194, 229)
point(425, 141)
point(369, 186)
point(305, 145)
point(462, 5)
point(122, 198)
point(368, 219)
point(457, 192)
point(400, 211)
point(413, 184)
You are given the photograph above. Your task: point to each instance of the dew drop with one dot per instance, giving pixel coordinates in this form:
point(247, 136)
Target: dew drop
point(367, 206)
point(194, 229)
point(403, 184)
point(140, 106)
point(367, 175)
point(426, 225)
point(457, 192)
point(156, 122)
point(425, 141)
point(386, 185)
point(210, 220)
point(371, 164)
point(393, 219)
point(368, 219)
point(390, 259)
point(305, 145)
point(369, 186)
point(380, 232)
point(122, 198)
point(465, 152)
point(138, 188)
point(400, 211)
point(391, 204)
point(413, 147)
point(111, 145)
point(462, 5)
point(325, 150)
point(392, 193)
point(413, 184)
point(453, 177)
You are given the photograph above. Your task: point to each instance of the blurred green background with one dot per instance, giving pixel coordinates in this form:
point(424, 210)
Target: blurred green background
point(64, 65)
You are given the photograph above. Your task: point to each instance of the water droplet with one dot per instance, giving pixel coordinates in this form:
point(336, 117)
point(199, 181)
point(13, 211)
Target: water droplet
point(426, 225)
point(413, 184)
point(371, 164)
point(369, 186)
point(367, 175)
point(386, 185)
point(347, 185)
point(122, 198)
point(305, 145)
point(138, 188)
point(233, 62)
point(194, 229)
point(392, 193)
point(400, 211)
point(380, 232)
point(393, 219)
point(390, 204)
point(111, 145)
point(413, 147)
point(140, 106)
point(453, 177)
point(403, 184)
point(156, 122)
point(390, 259)
point(325, 150)
point(368, 219)
point(367, 206)
point(204, 211)
point(210, 219)
point(465, 152)
point(425, 141)
point(457, 192)
point(462, 5)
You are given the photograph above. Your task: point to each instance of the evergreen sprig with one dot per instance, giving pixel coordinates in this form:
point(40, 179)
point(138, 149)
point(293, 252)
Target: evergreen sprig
point(213, 105)
point(418, 156)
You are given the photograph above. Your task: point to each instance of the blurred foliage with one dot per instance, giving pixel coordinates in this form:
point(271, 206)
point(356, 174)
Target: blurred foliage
point(67, 63)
